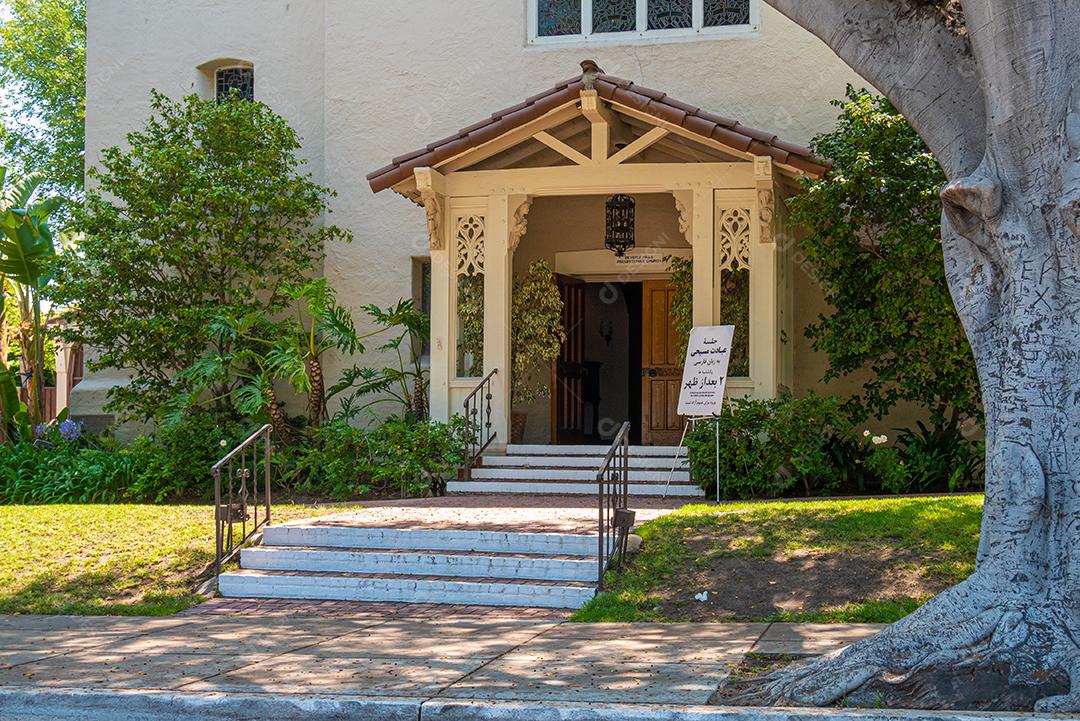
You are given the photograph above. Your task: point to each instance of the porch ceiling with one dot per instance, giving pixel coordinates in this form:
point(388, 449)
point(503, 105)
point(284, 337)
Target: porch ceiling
point(699, 136)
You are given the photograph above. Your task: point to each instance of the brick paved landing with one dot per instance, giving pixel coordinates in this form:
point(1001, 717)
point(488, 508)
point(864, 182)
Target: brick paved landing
point(371, 609)
point(493, 512)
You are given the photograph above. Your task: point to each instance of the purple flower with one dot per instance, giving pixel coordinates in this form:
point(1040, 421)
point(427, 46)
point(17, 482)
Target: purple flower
point(70, 430)
point(41, 429)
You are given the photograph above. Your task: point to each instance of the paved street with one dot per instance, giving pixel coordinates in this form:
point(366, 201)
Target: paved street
point(671, 664)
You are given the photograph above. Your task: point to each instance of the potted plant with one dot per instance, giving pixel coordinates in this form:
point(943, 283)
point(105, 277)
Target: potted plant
point(536, 338)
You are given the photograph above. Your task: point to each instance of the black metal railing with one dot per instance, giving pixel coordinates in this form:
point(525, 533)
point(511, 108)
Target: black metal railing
point(238, 497)
point(613, 493)
point(478, 430)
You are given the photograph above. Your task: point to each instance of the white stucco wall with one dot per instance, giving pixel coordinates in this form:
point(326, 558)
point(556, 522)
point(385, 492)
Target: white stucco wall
point(365, 80)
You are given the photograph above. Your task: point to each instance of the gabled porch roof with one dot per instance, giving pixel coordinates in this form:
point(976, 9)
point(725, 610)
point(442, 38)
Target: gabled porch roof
point(554, 122)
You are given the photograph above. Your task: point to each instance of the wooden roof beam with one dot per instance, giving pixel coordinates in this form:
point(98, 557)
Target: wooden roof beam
point(653, 136)
point(607, 127)
point(562, 148)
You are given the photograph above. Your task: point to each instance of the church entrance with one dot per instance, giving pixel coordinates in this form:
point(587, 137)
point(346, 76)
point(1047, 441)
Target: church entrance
point(617, 364)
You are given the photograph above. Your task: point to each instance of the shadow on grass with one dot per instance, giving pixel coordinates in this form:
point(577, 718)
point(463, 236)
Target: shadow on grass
point(115, 589)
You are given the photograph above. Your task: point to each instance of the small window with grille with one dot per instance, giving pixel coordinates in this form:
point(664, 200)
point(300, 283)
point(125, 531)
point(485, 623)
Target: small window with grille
point(236, 83)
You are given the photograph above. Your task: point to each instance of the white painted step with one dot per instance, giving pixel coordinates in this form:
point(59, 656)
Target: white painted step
point(408, 539)
point(588, 462)
point(427, 563)
point(569, 488)
point(409, 589)
point(527, 449)
point(572, 474)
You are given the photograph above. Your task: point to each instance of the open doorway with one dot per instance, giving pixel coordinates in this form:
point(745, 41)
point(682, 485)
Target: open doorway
point(598, 377)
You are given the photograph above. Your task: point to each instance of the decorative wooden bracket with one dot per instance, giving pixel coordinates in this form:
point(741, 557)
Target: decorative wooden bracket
point(427, 180)
point(520, 224)
point(766, 197)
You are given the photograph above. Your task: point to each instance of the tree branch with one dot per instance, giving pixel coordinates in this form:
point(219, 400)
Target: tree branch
point(908, 53)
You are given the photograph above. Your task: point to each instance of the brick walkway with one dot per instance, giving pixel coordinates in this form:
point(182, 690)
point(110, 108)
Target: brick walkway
point(406, 663)
point(495, 512)
point(363, 609)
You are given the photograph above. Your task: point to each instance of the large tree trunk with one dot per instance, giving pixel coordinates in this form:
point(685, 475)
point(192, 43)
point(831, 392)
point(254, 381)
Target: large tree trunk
point(1009, 636)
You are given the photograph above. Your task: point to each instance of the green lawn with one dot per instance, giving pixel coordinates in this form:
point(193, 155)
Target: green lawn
point(109, 559)
point(867, 560)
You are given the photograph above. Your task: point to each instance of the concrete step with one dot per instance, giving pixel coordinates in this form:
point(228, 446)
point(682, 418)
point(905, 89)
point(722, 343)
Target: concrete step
point(527, 449)
point(535, 487)
point(424, 539)
point(403, 588)
point(572, 474)
point(425, 563)
point(588, 462)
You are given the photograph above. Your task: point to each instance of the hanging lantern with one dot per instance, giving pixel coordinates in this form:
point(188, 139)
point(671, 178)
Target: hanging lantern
point(619, 229)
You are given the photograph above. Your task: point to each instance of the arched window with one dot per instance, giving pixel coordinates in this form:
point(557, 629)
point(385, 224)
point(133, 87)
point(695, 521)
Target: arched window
point(235, 83)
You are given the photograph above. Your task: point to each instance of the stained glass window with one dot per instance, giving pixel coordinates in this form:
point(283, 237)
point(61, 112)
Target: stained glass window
point(562, 20)
point(235, 83)
point(558, 17)
point(614, 16)
point(719, 13)
point(668, 14)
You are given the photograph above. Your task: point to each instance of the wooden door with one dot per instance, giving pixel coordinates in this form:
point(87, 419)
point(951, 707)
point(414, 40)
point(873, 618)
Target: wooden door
point(661, 366)
point(568, 373)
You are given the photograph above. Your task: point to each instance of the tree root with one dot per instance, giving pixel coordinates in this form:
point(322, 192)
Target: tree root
point(970, 648)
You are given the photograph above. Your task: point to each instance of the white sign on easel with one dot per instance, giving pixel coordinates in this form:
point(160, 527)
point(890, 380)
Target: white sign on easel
point(705, 371)
point(704, 381)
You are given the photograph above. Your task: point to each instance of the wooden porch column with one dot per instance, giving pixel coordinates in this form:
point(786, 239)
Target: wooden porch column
point(431, 186)
point(498, 285)
point(696, 221)
point(765, 291)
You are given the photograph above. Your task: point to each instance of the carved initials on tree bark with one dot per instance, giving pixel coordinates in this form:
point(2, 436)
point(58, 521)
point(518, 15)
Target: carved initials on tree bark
point(998, 105)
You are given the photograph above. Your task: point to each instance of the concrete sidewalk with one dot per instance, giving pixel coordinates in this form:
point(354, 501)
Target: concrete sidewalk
point(211, 667)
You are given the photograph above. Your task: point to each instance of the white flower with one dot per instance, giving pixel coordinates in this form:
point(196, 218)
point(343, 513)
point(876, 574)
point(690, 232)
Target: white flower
point(878, 440)
point(866, 434)
point(703, 596)
point(224, 443)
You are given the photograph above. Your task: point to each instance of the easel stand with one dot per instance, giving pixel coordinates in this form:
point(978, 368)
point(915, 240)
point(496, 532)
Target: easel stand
point(690, 424)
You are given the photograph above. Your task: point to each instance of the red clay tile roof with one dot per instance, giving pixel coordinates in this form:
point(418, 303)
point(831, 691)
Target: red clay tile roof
point(651, 102)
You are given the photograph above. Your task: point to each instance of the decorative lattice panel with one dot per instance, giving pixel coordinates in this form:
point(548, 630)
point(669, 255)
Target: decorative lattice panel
point(469, 234)
point(733, 238)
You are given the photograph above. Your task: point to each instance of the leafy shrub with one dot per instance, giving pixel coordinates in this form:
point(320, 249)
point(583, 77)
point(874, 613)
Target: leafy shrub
point(401, 456)
point(176, 459)
point(938, 458)
point(63, 466)
point(768, 447)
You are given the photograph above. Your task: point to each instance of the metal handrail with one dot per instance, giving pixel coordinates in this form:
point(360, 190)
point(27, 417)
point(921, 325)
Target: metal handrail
point(613, 494)
point(478, 426)
point(231, 495)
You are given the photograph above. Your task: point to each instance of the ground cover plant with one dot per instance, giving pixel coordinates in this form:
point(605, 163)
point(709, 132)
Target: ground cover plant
point(111, 559)
point(870, 560)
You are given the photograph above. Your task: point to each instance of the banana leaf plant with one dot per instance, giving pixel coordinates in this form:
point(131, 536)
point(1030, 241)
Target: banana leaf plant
point(263, 351)
point(406, 383)
point(27, 252)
